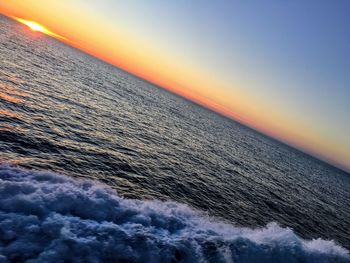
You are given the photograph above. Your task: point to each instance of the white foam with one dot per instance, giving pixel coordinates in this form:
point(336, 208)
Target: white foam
point(45, 217)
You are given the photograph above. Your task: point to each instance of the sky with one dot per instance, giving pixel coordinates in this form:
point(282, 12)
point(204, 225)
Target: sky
point(281, 67)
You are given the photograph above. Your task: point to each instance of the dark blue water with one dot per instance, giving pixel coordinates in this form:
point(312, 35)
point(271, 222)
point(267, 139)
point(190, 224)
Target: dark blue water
point(66, 112)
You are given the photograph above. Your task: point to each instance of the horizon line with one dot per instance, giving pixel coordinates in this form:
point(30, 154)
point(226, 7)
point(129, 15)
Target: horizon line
point(223, 112)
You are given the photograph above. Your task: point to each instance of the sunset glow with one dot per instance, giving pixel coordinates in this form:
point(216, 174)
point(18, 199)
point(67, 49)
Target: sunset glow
point(291, 85)
point(36, 27)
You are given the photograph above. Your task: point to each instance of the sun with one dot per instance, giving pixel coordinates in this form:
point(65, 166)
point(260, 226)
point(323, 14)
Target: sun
point(36, 27)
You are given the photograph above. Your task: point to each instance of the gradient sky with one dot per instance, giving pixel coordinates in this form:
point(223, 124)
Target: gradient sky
point(282, 67)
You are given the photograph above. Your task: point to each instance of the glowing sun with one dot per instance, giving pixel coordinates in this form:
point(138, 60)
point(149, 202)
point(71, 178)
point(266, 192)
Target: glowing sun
point(36, 27)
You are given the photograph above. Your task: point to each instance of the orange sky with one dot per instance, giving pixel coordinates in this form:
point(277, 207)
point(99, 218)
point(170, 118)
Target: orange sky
point(121, 47)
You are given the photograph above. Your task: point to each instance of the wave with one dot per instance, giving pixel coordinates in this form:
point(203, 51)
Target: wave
point(47, 217)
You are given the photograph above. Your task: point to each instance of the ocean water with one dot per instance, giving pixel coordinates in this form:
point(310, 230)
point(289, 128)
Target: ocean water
point(98, 165)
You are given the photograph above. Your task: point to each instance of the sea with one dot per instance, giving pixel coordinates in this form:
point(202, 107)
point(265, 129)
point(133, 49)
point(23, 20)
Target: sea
point(98, 165)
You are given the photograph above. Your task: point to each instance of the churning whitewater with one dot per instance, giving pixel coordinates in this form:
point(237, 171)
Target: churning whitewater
point(47, 217)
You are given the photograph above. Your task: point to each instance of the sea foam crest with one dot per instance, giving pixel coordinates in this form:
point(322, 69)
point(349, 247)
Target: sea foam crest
point(45, 217)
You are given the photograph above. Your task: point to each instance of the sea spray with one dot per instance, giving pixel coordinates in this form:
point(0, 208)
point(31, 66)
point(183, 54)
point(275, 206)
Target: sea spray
point(46, 217)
